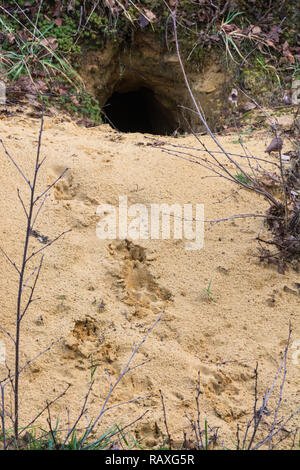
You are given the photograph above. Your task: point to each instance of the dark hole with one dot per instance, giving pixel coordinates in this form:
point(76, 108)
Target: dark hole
point(138, 111)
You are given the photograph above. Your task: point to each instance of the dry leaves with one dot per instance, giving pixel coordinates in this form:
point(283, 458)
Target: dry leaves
point(50, 43)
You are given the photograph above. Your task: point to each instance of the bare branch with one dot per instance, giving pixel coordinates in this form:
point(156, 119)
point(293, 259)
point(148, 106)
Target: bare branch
point(22, 203)
point(46, 246)
point(15, 164)
point(51, 186)
point(8, 259)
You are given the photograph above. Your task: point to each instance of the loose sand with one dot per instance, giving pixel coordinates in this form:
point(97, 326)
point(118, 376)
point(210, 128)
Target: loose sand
point(99, 297)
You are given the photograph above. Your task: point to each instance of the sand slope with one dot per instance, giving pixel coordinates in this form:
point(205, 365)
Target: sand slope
point(99, 297)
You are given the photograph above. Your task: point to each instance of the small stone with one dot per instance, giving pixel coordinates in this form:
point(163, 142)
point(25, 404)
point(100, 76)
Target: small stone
point(39, 320)
point(271, 302)
point(290, 291)
point(222, 270)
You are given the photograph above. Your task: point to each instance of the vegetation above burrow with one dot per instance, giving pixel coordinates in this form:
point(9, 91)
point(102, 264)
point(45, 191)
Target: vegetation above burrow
point(42, 42)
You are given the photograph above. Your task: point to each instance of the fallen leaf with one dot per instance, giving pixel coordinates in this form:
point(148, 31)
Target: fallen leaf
point(248, 106)
point(256, 30)
point(275, 145)
point(143, 21)
point(11, 38)
point(228, 28)
point(150, 15)
point(50, 42)
point(287, 53)
point(274, 33)
point(58, 21)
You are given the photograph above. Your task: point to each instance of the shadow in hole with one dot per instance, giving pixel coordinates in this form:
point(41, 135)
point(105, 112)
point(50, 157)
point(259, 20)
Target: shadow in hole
point(139, 111)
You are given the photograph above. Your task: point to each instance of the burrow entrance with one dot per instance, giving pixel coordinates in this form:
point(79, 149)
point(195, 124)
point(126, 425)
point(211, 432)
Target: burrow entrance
point(139, 110)
point(140, 87)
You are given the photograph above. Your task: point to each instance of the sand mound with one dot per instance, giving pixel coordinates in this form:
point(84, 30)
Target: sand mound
point(99, 297)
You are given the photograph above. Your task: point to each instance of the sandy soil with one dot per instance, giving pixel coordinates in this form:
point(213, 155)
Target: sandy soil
point(99, 297)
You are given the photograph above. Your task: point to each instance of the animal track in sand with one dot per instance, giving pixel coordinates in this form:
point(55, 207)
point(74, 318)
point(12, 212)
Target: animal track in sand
point(81, 207)
point(87, 341)
point(85, 338)
point(139, 286)
point(65, 188)
point(224, 391)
